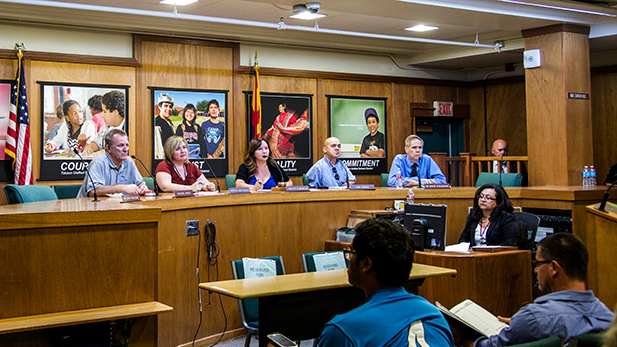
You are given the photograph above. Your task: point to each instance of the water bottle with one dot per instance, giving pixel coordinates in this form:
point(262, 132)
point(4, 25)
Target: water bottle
point(399, 179)
point(411, 197)
point(586, 176)
point(592, 176)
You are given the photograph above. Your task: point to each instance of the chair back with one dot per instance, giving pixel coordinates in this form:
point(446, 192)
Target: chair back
point(16, 194)
point(528, 227)
point(587, 340)
point(553, 341)
point(507, 179)
point(149, 182)
point(230, 181)
point(304, 180)
point(249, 308)
point(67, 191)
point(308, 260)
point(384, 179)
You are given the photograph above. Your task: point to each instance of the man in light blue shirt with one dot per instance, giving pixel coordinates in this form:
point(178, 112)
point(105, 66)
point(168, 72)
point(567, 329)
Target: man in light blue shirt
point(568, 310)
point(329, 171)
point(414, 165)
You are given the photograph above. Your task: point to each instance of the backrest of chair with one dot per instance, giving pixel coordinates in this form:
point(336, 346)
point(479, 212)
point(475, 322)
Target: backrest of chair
point(587, 340)
point(384, 179)
point(230, 181)
point(507, 179)
point(16, 194)
point(528, 226)
point(67, 191)
point(304, 180)
point(249, 308)
point(149, 182)
point(308, 261)
point(553, 341)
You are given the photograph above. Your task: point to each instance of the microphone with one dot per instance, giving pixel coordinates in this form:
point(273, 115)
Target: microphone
point(281, 183)
point(347, 176)
point(218, 186)
point(500, 168)
point(156, 186)
point(419, 179)
point(87, 174)
point(605, 198)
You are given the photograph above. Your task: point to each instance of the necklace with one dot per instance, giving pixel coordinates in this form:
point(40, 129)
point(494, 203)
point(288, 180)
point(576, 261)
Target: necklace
point(178, 172)
point(483, 230)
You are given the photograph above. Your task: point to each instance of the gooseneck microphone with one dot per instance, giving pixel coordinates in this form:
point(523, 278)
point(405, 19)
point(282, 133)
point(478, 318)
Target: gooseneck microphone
point(500, 168)
point(87, 174)
point(281, 183)
point(218, 186)
point(156, 186)
point(605, 198)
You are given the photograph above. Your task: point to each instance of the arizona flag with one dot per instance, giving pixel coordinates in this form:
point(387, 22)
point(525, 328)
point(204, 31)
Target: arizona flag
point(256, 103)
point(18, 132)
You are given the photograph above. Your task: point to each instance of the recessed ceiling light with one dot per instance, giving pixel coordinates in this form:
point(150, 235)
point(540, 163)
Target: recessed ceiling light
point(422, 28)
point(307, 15)
point(178, 2)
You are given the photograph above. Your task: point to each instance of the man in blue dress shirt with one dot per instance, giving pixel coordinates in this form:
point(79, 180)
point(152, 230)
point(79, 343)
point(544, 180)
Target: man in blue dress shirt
point(414, 165)
point(329, 171)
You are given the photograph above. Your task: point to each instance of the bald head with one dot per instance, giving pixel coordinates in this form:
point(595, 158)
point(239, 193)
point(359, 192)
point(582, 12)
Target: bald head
point(500, 148)
point(332, 148)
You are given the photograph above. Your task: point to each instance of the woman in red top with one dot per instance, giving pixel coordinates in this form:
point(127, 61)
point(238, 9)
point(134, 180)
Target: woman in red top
point(176, 172)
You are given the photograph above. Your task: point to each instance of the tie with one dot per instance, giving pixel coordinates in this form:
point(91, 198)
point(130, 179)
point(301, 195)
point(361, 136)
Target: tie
point(414, 170)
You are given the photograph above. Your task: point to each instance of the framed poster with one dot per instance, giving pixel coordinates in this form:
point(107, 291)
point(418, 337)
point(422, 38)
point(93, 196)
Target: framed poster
point(72, 117)
point(360, 125)
point(6, 169)
point(199, 116)
point(286, 125)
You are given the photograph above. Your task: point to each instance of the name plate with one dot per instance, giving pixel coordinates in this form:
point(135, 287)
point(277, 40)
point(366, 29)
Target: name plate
point(436, 186)
point(130, 198)
point(298, 189)
point(243, 190)
point(183, 193)
point(362, 187)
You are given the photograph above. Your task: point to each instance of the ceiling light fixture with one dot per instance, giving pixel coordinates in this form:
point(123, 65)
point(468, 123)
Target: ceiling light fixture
point(307, 11)
point(422, 28)
point(558, 8)
point(178, 2)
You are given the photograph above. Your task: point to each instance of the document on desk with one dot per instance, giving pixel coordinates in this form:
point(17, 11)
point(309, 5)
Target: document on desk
point(475, 317)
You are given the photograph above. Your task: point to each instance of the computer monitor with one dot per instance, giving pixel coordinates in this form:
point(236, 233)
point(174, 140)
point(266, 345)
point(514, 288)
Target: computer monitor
point(427, 224)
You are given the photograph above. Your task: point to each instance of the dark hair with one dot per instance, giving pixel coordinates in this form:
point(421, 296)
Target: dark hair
point(114, 100)
point(66, 105)
point(503, 203)
point(249, 159)
point(109, 136)
point(390, 247)
point(370, 112)
point(284, 106)
point(95, 103)
point(567, 250)
point(188, 107)
point(213, 101)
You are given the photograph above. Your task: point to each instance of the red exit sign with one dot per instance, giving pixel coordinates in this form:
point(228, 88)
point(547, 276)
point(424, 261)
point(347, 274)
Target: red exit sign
point(443, 108)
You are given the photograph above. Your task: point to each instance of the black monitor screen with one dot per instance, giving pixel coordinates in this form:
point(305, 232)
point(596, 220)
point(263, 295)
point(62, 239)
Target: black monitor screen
point(427, 224)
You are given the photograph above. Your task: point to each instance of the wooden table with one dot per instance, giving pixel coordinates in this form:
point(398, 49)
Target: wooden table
point(298, 305)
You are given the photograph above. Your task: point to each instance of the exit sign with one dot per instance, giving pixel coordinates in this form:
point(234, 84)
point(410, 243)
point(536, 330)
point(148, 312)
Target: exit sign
point(443, 108)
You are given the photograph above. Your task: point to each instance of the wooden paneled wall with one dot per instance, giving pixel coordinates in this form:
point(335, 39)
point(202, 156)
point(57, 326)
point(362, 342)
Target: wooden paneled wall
point(604, 123)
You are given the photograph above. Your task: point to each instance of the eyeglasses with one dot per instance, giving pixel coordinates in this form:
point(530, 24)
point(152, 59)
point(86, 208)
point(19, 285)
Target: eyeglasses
point(486, 197)
point(336, 176)
point(536, 263)
point(347, 252)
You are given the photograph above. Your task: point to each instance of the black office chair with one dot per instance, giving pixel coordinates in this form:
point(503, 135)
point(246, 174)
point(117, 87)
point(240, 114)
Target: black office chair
point(249, 308)
point(528, 228)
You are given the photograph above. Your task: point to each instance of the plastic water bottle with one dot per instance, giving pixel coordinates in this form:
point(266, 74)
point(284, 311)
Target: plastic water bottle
point(592, 176)
point(586, 176)
point(411, 197)
point(399, 179)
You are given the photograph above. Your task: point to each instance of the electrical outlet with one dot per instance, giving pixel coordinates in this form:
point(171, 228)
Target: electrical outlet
point(192, 227)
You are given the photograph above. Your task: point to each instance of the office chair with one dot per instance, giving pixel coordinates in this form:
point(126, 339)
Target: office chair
point(587, 340)
point(149, 183)
point(308, 260)
point(16, 194)
point(230, 181)
point(249, 308)
point(507, 179)
point(68, 191)
point(384, 179)
point(553, 341)
point(304, 180)
point(528, 228)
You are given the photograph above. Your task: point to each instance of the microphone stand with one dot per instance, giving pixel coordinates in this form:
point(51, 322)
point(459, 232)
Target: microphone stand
point(419, 179)
point(96, 199)
point(500, 169)
point(605, 198)
point(218, 186)
point(156, 186)
point(281, 183)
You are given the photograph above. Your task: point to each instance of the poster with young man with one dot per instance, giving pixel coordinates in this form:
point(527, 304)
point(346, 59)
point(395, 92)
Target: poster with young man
point(360, 124)
point(74, 118)
point(286, 125)
point(199, 116)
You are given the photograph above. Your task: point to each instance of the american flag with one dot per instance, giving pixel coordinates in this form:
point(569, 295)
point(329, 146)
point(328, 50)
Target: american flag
point(256, 103)
point(18, 132)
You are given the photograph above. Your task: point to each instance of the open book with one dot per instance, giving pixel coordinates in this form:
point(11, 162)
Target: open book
point(474, 316)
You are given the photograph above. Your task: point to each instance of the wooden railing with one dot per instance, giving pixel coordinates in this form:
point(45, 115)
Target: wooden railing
point(463, 171)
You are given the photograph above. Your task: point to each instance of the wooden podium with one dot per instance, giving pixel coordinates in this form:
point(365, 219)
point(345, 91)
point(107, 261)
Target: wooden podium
point(601, 241)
